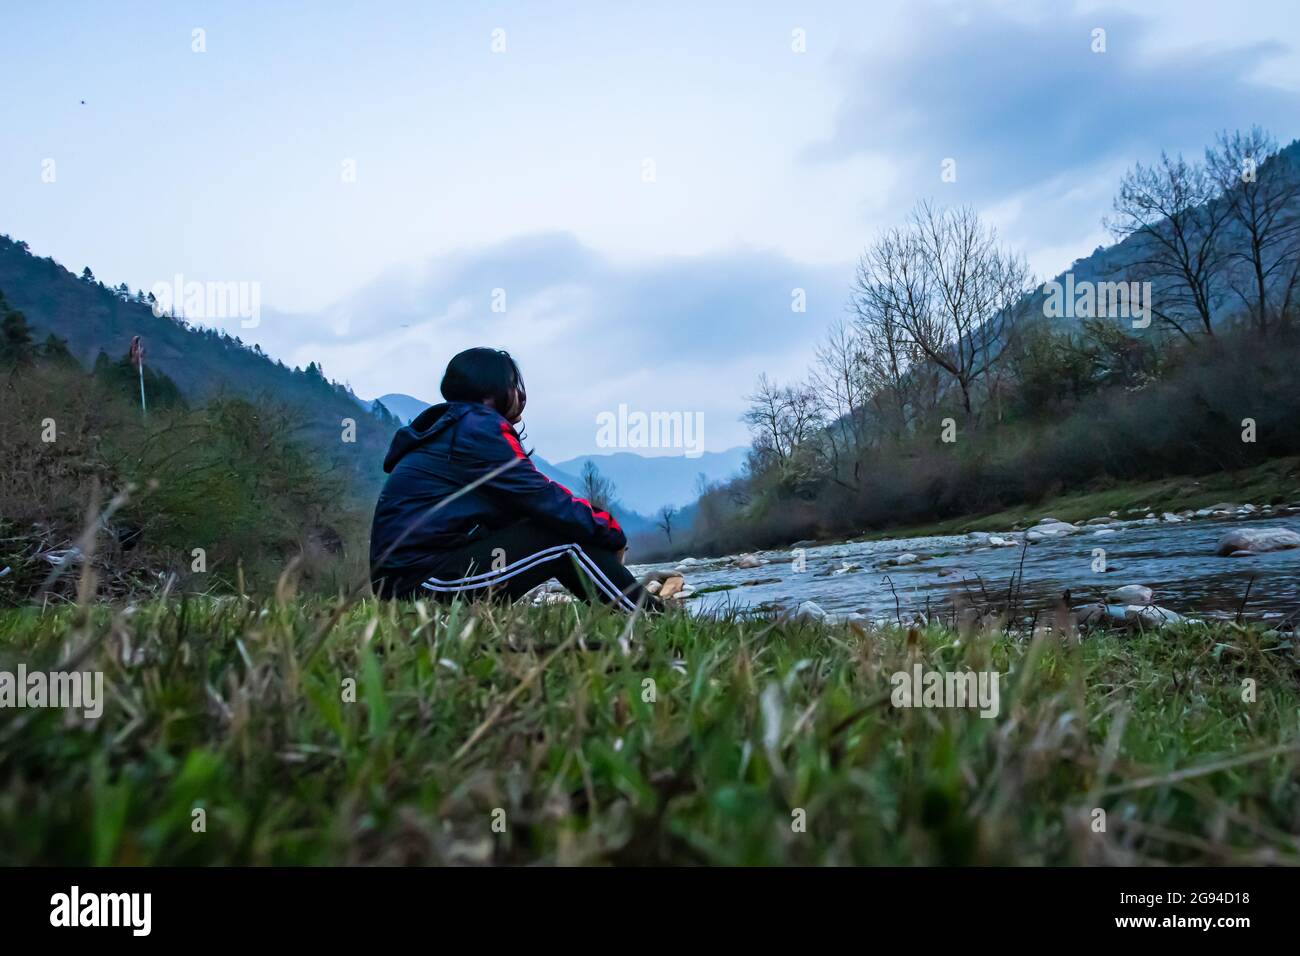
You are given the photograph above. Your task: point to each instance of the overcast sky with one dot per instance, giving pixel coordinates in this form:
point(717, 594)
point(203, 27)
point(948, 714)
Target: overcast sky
point(525, 169)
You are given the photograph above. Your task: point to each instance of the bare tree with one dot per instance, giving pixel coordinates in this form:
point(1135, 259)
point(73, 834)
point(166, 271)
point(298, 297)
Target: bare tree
point(702, 485)
point(708, 504)
point(841, 388)
point(596, 488)
point(766, 420)
point(783, 420)
point(802, 414)
point(944, 287)
point(1168, 209)
point(1262, 198)
point(898, 382)
point(666, 515)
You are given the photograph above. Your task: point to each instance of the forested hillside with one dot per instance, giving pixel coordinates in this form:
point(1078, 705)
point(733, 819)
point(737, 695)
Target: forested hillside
point(203, 362)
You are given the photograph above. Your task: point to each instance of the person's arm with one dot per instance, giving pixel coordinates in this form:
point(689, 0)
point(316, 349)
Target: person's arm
point(522, 487)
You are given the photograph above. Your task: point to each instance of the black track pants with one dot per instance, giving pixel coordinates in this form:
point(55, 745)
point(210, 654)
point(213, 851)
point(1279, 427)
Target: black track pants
point(508, 563)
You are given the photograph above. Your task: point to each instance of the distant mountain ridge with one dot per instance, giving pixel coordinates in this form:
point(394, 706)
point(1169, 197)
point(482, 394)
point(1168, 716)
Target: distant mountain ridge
point(647, 484)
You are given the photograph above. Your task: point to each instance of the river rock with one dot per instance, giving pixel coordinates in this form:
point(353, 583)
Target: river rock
point(553, 597)
point(1256, 541)
point(908, 558)
point(1130, 594)
point(809, 611)
point(1042, 532)
point(847, 567)
point(1090, 614)
point(659, 576)
point(1104, 615)
point(1101, 521)
point(671, 587)
point(747, 561)
point(1126, 615)
point(1170, 517)
point(1057, 527)
point(1150, 616)
point(999, 542)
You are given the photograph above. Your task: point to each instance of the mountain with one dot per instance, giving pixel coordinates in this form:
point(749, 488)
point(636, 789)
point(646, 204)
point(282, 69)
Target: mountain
point(204, 363)
point(1120, 260)
point(647, 484)
point(405, 407)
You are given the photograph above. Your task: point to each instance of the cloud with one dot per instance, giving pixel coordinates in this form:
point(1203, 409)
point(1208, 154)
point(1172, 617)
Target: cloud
point(674, 334)
point(1023, 102)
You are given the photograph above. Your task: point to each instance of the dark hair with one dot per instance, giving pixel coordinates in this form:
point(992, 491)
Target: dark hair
point(479, 373)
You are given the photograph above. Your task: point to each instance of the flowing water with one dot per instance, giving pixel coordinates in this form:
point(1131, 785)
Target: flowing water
point(1176, 560)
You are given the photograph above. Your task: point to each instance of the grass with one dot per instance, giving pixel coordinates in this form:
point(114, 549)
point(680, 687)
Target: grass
point(530, 735)
point(1275, 482)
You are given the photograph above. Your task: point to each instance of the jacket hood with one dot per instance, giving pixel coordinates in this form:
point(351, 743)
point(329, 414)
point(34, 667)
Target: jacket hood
point(429, 423)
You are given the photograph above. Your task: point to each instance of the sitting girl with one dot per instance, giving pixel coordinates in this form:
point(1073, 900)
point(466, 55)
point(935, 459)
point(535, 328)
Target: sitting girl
point(466, 512)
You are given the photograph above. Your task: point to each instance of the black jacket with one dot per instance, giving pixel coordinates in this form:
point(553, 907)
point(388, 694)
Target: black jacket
point(459, 471)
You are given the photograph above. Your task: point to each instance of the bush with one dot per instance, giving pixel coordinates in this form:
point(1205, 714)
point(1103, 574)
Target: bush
point(232, 478)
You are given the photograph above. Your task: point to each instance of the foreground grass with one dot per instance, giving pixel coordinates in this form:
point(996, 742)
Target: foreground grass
point(498, 735)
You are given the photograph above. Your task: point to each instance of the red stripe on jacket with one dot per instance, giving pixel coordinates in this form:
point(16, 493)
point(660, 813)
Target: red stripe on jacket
point(605, 517)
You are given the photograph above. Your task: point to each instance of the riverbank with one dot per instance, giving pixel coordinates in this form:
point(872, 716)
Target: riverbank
point(1275, 482)
point(294, 733)
point(1168, 536)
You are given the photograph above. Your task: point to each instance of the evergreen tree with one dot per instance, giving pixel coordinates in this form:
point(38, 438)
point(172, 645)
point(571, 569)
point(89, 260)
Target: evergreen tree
point(16, 346)
point(55, 349)
point(385, 417)
point(121, 376)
